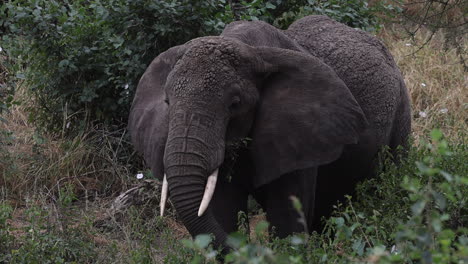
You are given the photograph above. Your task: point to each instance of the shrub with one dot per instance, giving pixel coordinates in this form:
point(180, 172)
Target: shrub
point(5, 237)
point(7, 90)
point(39, 241)
point(83, 59)
point(354, 13)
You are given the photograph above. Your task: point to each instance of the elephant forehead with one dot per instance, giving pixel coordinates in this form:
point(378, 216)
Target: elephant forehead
point(213, 48)
point(204, 84)
point(205, 70)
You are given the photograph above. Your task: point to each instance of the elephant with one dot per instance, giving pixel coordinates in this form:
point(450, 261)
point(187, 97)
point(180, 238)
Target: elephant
point(314, 105)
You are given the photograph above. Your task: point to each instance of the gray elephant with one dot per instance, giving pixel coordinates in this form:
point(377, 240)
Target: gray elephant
point(317, 100)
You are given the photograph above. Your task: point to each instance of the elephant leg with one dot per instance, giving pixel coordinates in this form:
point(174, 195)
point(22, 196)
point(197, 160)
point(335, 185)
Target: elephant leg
point(338, 179)
point(228, 200)
point(275, 200)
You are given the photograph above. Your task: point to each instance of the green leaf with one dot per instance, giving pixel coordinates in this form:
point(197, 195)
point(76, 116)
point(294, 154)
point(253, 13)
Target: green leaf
point(418, 207)
point(436, 134)
point(297, 240)
point(261, 227)
point(440, 200)
point(63, 63)
point(358, 246)
point(236, 240)
point(446, 175)
point(339, 221)
point(188, 243)
point(270, 6)
point(436, 224)
point(20, 76)
point(425, 169)
point(203, 240)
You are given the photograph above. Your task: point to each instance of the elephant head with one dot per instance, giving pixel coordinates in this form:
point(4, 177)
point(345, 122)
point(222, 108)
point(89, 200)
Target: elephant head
point(195, 97)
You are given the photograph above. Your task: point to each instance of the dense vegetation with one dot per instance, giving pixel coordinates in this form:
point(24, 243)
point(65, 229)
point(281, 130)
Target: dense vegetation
point(83, 59)
point(68, 71)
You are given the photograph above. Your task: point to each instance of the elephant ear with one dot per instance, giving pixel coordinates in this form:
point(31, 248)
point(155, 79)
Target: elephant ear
point(305, 117)
point(148, 120)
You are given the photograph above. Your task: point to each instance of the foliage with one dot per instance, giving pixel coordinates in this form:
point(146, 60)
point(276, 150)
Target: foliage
point(41, 243)
point(354, 13)
point(83, 59)
point(7, 91)
point(436, 232)
point(3, 89)
point(5, 237)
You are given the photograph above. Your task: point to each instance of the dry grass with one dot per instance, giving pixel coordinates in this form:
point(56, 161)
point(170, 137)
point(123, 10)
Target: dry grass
point(437, 83)
point(71, 182)
point(33, 163)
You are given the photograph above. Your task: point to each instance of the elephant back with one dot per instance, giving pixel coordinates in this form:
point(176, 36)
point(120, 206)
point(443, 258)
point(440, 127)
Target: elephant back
point(362, 62)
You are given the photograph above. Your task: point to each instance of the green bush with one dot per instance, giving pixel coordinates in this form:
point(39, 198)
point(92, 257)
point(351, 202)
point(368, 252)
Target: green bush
point(43, 242)
point(354, 13)
point(7, 84)
point(83, 59)
point(5, 237)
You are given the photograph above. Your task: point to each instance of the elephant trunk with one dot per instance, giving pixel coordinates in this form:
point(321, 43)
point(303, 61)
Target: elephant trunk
point(186, 192)
point(189, 159)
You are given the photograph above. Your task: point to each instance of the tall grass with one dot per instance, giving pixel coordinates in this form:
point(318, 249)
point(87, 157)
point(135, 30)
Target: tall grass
point(33, 162)
point(436, 81)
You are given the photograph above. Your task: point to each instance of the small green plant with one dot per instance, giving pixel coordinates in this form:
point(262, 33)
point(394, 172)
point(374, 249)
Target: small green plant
point(433, 234)
point(244, 251)
point(6, 239)
point(253, 251)
point(66, 195)
point(42, 242)
point(203, 251)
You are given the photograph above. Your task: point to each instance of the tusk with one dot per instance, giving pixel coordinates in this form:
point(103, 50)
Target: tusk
point(165, 188)
point(209, 190)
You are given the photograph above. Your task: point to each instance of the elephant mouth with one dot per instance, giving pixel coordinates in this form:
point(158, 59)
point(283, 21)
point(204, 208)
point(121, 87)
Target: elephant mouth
point(207, 195)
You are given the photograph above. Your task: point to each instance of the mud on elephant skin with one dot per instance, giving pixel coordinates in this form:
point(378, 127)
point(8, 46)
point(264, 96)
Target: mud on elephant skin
point(317, 100)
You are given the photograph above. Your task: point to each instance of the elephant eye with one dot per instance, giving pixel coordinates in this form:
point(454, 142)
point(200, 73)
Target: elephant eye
point(166, 101)
point(235, 103)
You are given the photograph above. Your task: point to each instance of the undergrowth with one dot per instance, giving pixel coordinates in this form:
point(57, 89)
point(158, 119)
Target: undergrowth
point(412, 212)
point(87, 164)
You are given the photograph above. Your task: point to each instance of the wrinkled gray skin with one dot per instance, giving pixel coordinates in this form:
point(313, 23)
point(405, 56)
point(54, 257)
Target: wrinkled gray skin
point(317, 100)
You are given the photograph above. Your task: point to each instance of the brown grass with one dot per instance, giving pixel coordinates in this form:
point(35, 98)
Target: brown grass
point(436, 81)
point(34, 162)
